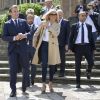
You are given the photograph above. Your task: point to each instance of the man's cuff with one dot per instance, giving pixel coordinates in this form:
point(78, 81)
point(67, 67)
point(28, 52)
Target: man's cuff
point(14, 38)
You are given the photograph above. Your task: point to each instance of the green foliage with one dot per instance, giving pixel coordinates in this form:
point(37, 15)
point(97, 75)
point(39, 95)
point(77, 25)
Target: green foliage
point(22, 7)
point(57, 2)
point(3, 19)
point(37, 7)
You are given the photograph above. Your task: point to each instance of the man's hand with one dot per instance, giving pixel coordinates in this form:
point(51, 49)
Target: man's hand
point(21, 36)
point(17, 37)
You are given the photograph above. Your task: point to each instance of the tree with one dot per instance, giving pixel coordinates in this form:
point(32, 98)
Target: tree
point(68, 7)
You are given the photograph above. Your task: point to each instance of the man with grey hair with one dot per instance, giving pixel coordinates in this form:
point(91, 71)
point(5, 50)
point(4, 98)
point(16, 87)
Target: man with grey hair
point(63, 40)
point(48, 5)
point(37, 20)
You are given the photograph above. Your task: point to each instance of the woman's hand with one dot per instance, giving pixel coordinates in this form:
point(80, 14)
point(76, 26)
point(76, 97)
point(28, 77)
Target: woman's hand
point(44, 25)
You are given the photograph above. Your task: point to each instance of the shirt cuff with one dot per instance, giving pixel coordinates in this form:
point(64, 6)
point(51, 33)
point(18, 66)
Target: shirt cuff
point(14, 38)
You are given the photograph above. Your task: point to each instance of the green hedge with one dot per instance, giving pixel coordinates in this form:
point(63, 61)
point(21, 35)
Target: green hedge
point(37, 7)
point(3, 19)
point(22, 7)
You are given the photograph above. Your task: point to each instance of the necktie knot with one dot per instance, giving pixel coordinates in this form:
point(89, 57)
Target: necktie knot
point(16, 23)
point(30, 26)
point(82, 24)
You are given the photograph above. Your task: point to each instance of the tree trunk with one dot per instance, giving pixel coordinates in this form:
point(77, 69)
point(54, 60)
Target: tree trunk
point(68, 7)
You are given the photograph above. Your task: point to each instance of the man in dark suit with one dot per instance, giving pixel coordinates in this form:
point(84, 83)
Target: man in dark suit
point(15, 32)
point(63, 40)
point(81, 42)
point(31, 50)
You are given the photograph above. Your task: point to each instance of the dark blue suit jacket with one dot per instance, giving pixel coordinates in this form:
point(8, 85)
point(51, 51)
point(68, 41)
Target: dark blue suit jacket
point(10, 30)
point(64, 33)
point(74, 33)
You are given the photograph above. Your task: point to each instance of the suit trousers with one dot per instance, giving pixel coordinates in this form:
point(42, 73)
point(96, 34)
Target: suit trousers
point(44, 60)
point(80, 51)
point(62, 56)
point(31, 51)
point(19, 57)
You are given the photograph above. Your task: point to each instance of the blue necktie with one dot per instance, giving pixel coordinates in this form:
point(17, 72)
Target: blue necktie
point(16, 23)
point(82, 36)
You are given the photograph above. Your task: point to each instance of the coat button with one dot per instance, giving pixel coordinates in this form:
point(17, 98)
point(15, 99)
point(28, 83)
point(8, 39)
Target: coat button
point(52, 36)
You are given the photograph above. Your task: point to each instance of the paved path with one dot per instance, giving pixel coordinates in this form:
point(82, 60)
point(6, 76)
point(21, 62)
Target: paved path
point(62, 92)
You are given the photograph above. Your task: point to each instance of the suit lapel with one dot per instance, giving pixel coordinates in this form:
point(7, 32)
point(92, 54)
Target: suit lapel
point(77, 29)
point(61, 26)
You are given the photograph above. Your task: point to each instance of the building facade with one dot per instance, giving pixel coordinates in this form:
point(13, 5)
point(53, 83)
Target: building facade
point(68, 6)
point(4, 4)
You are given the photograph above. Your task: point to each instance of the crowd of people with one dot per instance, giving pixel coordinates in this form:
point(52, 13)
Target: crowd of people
point(32, 41)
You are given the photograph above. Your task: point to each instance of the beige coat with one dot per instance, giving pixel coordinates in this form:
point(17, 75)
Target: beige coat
point(53, 47)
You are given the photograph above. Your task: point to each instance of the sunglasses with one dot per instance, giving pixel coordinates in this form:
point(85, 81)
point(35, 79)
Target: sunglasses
point(52, 14)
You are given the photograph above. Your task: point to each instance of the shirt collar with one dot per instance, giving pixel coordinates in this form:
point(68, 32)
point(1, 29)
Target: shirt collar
point(80, 23)
point(30, 25)
point(14, 19)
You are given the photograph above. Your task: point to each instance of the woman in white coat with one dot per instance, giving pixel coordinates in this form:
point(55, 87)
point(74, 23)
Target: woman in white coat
point(45, 41)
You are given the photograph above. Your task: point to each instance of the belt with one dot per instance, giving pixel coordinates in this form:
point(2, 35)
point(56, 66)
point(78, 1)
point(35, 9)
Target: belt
point(83, 44)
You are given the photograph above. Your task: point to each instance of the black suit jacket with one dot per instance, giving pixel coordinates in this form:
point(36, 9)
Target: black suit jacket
point(74, 34)
point(64, 33)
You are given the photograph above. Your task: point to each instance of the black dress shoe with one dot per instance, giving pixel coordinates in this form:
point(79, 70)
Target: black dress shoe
point(78, 86)
point(13, 94)
point(32, 82)
point(88, 75)
point(23, 90)
point(61, 75)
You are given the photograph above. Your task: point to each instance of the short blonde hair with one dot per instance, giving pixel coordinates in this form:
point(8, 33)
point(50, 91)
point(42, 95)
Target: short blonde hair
point(30, 11)
point(13, 6)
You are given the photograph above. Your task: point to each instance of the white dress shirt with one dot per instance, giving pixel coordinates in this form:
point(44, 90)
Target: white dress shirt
point(14, 21)
point(14, 38)
point(46, 35)
point(78, 39)
point(37, 20)
point(89, 21)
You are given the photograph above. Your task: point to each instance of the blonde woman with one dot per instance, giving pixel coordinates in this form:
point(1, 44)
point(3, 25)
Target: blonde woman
point(45, 41)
